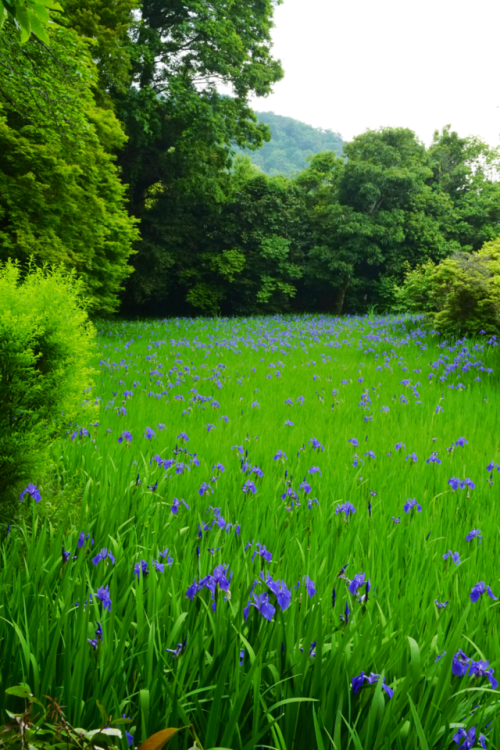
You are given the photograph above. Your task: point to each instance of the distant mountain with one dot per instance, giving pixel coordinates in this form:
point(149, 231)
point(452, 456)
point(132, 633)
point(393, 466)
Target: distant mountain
point(291, 142)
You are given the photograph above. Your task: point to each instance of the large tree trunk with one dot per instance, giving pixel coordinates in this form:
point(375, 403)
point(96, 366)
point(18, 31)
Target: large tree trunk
point(338, 303)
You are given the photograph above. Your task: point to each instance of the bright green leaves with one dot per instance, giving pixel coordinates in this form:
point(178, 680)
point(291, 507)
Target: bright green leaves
point(30, 16)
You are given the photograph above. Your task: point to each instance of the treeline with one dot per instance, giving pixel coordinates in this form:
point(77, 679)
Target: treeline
point(292, 142)
point(117, 160)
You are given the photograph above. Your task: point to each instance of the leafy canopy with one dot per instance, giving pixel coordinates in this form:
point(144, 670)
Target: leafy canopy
point(61, 199)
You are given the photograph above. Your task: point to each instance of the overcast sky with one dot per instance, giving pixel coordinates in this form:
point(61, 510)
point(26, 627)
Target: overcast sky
point(362, 64)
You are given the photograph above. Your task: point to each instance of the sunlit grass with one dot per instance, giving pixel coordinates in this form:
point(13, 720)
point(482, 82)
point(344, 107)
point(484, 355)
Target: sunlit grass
point(358, 380)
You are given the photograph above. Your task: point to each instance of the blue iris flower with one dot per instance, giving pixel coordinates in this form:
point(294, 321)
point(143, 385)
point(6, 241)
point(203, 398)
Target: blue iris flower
point(455, 556)
point(473, 534)
point(32, 491)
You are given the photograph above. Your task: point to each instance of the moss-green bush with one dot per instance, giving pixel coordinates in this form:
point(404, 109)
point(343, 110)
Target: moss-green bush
point(46, 346)
point(459, 295)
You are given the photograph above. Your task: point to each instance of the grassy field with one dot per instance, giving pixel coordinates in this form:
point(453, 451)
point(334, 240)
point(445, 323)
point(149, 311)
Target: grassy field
point(270, 461)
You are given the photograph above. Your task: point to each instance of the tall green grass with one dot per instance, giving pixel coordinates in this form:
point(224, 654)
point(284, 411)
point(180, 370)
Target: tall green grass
point(280, 696)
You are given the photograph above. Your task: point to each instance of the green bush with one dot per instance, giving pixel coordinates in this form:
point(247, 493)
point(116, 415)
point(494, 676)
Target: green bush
point(459, 295)
point(46, 345)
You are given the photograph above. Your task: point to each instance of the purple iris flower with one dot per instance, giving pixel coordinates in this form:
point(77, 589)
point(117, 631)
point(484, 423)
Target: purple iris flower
point(357, 582)
point(358, 682)
point(102, 556)
point(310, 586)
point(461, 442)
point(315, 470)
point(126, 435)
point(249, 487)
point(316, 444)
point(280, 454)
point(346, 508)
point(205, 489)
point(441, 605)
point(455, 483)
point(183, 436)
point(354, 442)
point(455, 556)
point(149, 433)
point(433, 458)
point(411, 503)
point(82, 539)
point(345, 617)
point(65, 555)
point(469, 739)
point(479, 589)
point(279, 589)
point(179, 649)
point(398, 446)
point(177, 504)
point(439, 656)
point(103, 595)
point(141, 568)
point(262, 604)
point(483, 669)
point(192, 590)
point(305, 486)
point(310, 502)
point(412, 457)
point(370, 454)
point(210, 427)
point(33, 491)
point(473, 534)
point(98, 637)
point(396, 520)
point(262, 552)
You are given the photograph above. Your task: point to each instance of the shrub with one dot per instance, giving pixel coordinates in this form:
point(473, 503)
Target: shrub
point(46, 344)
point(459, 295)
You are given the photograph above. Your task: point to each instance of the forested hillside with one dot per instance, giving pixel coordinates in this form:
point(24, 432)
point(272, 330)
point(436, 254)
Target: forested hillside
point(291, 143)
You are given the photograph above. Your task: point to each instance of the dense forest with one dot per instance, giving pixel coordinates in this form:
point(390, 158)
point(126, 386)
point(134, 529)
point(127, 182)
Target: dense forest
point(291, 143)
point(121, 160)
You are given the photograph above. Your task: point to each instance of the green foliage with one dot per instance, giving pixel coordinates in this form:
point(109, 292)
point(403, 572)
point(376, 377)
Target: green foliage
point(466, 171)
point(253, 256)
point(181, 129)
point(372, 213)
point(61, 199)
point(46, 345)
point(45, 726)
point(461, 294)
point(277, 693)
point(106, 24)
point(29, 16)
point(292, 143)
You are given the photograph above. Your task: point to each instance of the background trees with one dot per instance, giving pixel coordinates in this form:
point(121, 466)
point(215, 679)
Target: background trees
point(61, 199)
point(121, 159)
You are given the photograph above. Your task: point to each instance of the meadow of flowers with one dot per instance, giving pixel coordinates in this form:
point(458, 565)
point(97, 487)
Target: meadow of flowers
point(287, 536)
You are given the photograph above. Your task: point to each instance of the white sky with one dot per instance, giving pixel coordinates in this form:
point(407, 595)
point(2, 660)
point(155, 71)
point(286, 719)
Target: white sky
point(361, 64)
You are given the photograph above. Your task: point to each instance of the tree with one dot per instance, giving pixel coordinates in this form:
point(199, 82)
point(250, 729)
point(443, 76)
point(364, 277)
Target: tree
point(253, 254)
point(181, 128)
point(372, 212)
point(459, 295)
point(28, 16)
point(467, 171)
point(61, 199)
point(106, 23)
